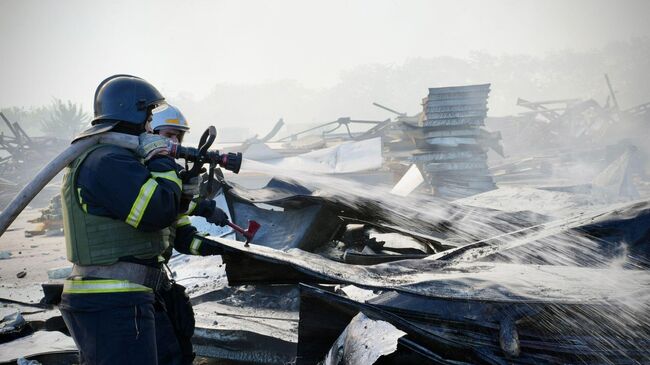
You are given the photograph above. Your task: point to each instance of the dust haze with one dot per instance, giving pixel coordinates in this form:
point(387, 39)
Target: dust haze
point(247, 64)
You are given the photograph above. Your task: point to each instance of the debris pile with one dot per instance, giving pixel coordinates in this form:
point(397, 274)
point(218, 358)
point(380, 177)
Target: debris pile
point(445, 141)
point(21, 157)
point(50, 223)
point(573, 120)
point(452, 145)
point(468, 304)
point(523, 170)
point(571, 141)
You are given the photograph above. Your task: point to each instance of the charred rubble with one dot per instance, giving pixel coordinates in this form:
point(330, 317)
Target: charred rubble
point(21, 157)
point(555, 136)
point(329, 279)
point(446, 298)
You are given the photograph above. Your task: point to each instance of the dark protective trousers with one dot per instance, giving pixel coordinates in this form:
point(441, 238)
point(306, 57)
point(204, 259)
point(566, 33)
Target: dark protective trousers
point(120, 328)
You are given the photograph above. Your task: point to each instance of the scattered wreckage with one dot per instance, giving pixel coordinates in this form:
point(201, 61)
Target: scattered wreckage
point(339, 273)
point(21, 157)
point(440, 299)
point(331, 279)
point(445, 141)
point(378, 282)
point(566, 138)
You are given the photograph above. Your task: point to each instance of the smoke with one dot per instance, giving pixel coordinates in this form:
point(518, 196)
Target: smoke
point(559, 75)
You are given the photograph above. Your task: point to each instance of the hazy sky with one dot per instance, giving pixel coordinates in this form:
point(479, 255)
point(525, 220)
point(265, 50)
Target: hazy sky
point(64, 48)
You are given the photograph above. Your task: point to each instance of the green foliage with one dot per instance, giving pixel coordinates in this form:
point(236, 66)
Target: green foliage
point(65, 120)
point(60, 119)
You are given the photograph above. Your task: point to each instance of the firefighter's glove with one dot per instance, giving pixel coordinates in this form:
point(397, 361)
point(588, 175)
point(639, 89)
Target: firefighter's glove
point(218, 217)
point(209, 210)
point(152, 145)
point(190, 194)
point(192, 186)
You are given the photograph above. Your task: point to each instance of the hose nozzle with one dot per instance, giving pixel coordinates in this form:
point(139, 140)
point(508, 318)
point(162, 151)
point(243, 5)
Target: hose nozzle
point(229, 161)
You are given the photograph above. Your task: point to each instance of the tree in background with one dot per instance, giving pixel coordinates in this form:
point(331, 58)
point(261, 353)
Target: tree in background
point(65, 119)
point(558, 75)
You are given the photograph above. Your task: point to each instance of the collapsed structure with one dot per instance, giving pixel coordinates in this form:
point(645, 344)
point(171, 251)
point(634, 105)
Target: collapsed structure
point(445, 141)
point(335, 265)
point(21, 157)
point(570, 138)
point(440, 291)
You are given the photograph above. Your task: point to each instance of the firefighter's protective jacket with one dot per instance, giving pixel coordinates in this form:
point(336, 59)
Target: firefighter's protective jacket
point(118, 208)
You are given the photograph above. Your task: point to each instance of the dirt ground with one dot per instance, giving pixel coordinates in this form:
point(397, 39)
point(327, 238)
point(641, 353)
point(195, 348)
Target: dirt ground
point(35, 256)
point(31, 255)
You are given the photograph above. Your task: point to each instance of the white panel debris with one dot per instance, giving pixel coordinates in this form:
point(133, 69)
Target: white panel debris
point(359, 294)
point(363, 341)
point(615, 180)
point(344, 158)
point(409, 182)
point(40, 342)
point(261, 152)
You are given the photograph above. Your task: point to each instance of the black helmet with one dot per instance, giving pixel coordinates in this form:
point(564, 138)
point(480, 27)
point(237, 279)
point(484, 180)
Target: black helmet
point(124, 98)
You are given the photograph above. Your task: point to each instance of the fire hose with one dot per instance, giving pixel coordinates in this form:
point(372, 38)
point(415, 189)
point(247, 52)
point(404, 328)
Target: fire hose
point(200, 156)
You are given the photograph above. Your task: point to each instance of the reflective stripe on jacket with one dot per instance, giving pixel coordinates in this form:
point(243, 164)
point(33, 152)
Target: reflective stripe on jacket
point(78, 286)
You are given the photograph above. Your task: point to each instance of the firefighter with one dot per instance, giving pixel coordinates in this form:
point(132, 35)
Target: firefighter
point(167, 121)
point(120, 206)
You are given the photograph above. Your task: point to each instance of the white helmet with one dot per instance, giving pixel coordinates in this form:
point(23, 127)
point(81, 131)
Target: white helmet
point(169, 116)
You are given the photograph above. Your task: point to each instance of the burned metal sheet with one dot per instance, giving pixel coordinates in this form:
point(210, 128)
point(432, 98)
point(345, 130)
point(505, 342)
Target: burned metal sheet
point(444, 222)
point(276, 192)
point(444, 331)
point(250, 324)
point(289, 228)
point(481, 281)
point(41, 342)
point(601, 239)
point(305, 220)
point(623, 231)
